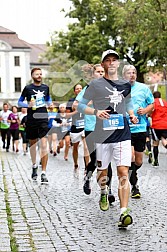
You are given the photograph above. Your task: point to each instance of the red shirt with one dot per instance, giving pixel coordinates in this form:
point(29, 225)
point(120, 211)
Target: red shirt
point(159, 115)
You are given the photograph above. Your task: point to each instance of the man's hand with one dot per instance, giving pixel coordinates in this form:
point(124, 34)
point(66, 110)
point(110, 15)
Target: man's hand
point(103, 114)
point(133, 119)
point(141, 111)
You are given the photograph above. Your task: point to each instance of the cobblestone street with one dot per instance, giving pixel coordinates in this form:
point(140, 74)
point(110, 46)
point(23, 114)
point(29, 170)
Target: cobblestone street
point(60, 217)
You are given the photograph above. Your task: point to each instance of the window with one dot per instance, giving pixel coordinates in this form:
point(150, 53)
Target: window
point(0, 85)
point(17, 84)
point(16, 60)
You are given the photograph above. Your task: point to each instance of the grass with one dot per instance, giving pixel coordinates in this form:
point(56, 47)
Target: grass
point(13, 244)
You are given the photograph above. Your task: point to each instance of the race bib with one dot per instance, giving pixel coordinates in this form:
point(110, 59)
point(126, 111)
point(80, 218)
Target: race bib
point(132, 124)
point(80, 123)
point(40, 102)
point(115, 121)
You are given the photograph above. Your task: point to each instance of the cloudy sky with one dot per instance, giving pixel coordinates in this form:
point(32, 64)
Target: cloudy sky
point(34, 20)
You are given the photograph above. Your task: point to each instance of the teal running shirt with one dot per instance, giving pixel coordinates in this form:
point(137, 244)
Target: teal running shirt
point(141, 97)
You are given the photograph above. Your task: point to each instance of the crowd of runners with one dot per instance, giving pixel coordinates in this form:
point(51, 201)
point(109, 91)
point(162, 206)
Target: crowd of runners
point(116, 120)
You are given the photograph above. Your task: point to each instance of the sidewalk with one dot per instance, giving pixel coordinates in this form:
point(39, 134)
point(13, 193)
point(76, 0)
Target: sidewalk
point(60, 217)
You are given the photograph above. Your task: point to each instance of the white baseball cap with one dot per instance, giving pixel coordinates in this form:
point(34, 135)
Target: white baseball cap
point(105, 53)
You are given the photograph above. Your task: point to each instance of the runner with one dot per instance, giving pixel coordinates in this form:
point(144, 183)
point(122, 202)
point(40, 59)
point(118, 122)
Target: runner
point(52, 133)
point(143, 103)
point(77, 129)
point(90, 121)
point(5, 131)
point(13, 119)
point(22, 131)
point(159, 125)
point(37, 96)
point(111, 99)
point(63, 126)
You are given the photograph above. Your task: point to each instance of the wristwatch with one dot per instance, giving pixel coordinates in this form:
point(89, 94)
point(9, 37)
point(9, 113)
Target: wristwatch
point(95, 112)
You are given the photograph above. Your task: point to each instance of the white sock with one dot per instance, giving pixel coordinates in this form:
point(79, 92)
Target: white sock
point(103, 191)
point(43, 172)
point(123, 209)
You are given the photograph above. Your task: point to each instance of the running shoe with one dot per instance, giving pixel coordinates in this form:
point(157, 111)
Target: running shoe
point(34, 172)
point(104, 203)
point(150, 157)
point(58, 149)
point(155, 163)
point(125, 219)
point(111, 197)
point(146, 152)
point(135, 193)
point(44, 178)
point(86, 186)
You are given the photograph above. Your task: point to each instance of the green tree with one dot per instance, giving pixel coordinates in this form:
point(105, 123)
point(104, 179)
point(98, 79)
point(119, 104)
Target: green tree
point(136, 29)
point(63, 75)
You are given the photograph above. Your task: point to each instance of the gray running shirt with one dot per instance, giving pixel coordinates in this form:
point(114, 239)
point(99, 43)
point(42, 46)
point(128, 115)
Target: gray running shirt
point(112, 95)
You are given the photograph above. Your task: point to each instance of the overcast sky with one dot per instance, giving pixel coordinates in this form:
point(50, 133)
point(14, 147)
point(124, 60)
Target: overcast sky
point(34, 20)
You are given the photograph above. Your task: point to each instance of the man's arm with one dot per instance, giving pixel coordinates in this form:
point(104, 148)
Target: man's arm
point(83, 108)
point(21, 102)
point(148, 109)
point(129, 110)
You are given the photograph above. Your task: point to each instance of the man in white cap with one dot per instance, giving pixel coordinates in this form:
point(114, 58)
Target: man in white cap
point(111, 100)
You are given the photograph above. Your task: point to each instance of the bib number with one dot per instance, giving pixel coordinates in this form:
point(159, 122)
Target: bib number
point(40, 102)
point(79, 123)
point(132, 124)
point(115, 121)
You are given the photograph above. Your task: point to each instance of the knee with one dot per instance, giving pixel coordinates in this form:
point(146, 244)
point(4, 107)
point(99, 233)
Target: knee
point(67, 143)
point(123, 173)
point(43, 147)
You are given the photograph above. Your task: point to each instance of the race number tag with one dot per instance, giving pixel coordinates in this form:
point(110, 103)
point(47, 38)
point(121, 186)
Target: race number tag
point(132, 124)
point(79, 123)
point(115, 121)
point(40, 102)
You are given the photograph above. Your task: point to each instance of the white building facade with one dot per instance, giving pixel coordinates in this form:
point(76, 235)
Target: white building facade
point(17, 58)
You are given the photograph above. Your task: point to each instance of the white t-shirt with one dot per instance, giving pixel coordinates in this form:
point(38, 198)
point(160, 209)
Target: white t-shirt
point(4, 115)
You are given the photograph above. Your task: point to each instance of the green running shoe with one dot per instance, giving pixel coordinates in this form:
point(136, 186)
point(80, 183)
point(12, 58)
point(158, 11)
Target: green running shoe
point(135, 193)
point(125, 219)
point(150, 158)
point(155, 163)
point(104, 203)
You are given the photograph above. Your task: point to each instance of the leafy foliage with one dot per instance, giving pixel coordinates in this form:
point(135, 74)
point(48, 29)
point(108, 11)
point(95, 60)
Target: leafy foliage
point(137, 29)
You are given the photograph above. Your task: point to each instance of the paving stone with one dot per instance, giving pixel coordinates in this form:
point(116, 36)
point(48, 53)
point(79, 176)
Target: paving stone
point(61, 216)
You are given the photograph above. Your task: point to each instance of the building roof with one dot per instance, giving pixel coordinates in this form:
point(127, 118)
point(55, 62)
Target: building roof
point(4, 30)
point(36, 50)
point(12, 39)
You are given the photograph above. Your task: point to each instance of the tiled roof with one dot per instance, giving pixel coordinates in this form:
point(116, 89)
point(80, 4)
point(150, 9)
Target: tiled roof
point(37, 50)
point(13, 40)
point(4, 30)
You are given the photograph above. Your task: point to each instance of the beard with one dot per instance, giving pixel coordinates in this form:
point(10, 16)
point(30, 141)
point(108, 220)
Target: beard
point(37, 80)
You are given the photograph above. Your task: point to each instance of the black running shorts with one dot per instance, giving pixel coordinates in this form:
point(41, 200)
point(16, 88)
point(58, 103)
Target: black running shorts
point(138, 140)
point(36, 131)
